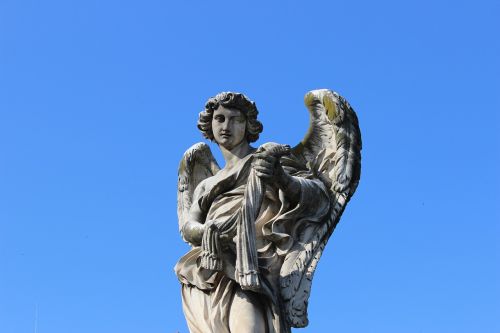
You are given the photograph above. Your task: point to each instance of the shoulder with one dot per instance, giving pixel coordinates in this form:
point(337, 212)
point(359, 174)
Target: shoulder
point(200, 189)
point(207, 183)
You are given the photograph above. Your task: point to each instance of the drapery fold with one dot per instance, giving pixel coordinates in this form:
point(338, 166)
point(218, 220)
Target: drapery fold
point(235, 199)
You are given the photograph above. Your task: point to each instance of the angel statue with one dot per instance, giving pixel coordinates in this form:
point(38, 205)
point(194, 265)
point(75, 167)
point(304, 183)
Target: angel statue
point(258, 226)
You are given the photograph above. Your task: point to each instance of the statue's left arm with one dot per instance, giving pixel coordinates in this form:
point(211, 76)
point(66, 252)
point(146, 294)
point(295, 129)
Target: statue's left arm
point(196, 165)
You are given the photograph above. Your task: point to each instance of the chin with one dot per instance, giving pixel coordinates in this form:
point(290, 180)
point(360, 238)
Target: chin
point(228, 147)
point(225, 144)
point(228, 143)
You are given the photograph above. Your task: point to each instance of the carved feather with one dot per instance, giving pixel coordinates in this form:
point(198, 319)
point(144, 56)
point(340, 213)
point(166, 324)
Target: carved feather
point(196, 164)
point(332, 148)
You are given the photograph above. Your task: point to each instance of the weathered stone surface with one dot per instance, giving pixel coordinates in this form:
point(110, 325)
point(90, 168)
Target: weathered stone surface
point(258, 227)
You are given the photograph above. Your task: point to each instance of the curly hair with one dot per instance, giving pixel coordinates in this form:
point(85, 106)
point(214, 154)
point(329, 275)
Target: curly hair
point(231, 100)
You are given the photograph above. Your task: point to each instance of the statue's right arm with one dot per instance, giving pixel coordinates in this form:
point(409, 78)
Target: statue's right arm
point(194, 228)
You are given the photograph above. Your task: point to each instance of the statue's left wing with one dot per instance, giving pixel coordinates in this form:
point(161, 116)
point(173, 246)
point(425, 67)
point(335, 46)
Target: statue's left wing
point(332, 149)
point(196, 164)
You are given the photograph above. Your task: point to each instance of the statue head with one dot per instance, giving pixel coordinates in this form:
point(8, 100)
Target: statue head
point(232, 101)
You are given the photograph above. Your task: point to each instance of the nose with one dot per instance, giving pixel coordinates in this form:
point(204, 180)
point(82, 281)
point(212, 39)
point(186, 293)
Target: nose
point(225, 125)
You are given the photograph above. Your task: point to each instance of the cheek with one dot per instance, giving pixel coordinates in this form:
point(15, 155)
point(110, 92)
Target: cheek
point(215, 126)
point(242, 129)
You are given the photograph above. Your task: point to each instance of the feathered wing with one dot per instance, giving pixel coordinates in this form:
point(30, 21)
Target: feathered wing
point(196, 164)
point(332, 148)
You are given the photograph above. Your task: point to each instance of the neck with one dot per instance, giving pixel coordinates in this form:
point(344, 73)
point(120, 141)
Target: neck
point(232, 156)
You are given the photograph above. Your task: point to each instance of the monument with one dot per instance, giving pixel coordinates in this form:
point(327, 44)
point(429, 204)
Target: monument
point(258, 226)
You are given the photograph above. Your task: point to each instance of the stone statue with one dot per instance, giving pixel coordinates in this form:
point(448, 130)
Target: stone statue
point(258, 226)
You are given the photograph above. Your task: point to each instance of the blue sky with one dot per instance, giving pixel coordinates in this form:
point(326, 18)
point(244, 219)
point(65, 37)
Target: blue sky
point(99, 99)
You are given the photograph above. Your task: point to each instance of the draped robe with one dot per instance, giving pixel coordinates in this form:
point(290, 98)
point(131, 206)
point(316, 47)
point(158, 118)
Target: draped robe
point(206, 294)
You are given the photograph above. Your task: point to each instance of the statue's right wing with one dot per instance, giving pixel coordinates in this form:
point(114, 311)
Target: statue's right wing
point(196, 164)
point(332, 149)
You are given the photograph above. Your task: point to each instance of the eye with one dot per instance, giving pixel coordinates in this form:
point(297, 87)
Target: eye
point(240, 119)
point(219, 118)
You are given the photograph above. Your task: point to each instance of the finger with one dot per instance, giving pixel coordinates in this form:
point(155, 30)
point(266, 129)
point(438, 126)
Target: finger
point(263, 175)
point(268, 171)
point(265, 178)
point(266, 157)
point(263, 163)
point(284, 150)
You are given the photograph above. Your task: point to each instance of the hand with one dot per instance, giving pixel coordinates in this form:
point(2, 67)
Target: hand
point(268, 168)
point(193, 232)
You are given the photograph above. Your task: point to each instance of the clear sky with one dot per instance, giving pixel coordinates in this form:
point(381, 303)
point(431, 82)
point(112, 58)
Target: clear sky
point(99, 100)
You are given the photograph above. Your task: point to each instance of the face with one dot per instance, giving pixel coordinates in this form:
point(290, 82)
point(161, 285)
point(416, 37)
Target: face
point(229, 127)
